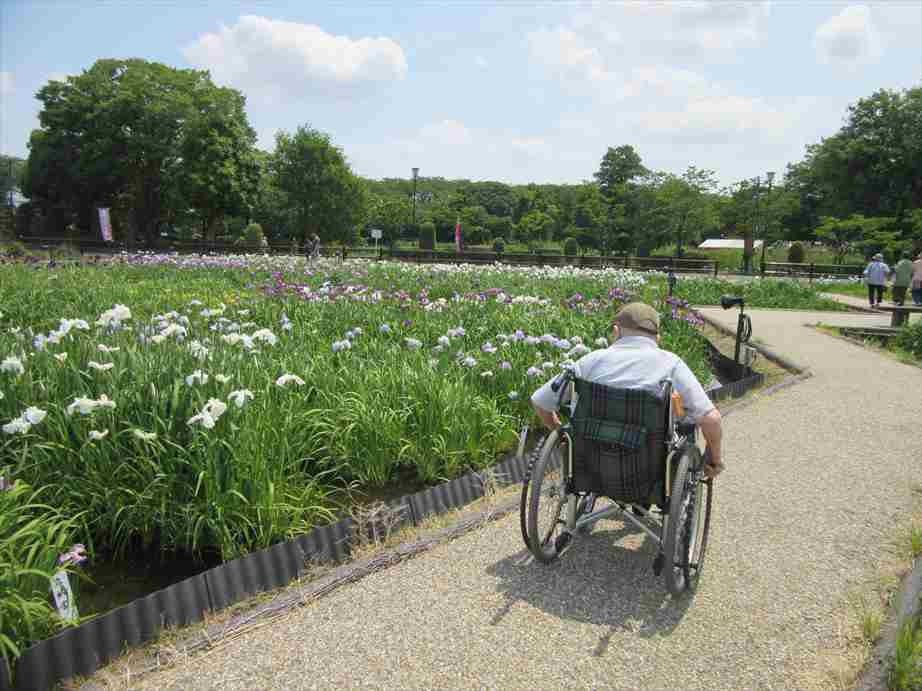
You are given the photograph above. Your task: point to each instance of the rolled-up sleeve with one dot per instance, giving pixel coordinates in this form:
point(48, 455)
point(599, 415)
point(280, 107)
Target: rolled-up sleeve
point(696, 401)
point(545, 397)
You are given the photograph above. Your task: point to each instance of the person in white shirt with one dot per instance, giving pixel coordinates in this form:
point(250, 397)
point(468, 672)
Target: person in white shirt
point(875, 274)
point(634, 361)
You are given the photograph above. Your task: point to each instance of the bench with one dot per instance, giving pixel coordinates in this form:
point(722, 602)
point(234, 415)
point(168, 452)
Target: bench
point(900, 314)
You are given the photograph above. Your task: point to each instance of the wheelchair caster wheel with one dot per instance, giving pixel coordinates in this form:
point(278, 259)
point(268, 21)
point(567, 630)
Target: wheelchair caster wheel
point(658, 564)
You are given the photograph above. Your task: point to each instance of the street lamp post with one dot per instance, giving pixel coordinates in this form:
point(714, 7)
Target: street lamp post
point(749, 250)
point(415, 175)
point(771, 176)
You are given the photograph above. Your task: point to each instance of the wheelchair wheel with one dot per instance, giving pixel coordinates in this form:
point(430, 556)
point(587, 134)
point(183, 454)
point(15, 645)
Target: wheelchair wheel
point(526, 489)
point(689, 521)
point(547, 498)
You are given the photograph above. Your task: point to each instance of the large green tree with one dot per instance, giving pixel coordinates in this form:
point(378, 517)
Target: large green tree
point(871, 166)
point(219, 173)
point(619, 166)
point(685, 207)
point(141, 129)
point(325, 196)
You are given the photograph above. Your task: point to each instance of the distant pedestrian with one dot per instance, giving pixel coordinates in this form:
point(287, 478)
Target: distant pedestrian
point(312, 247)
point(917, 281)
point(876, 276)
point(902, 277)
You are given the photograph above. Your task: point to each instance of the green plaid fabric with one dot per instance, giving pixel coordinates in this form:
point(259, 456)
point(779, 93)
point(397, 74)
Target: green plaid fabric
point(618, 442)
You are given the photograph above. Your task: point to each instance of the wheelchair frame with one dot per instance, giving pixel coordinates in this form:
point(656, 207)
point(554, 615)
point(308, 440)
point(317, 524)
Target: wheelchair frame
point(686, 493)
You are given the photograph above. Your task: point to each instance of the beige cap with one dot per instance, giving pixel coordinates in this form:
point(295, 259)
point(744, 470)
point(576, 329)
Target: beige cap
point(638, 316)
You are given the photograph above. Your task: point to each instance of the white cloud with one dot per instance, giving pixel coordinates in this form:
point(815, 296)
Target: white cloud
point(278, 58)
point(6, 83)
point(675, 31)
point(567, 53)
point(532, 146)
point(451, 132)
point(849, 38)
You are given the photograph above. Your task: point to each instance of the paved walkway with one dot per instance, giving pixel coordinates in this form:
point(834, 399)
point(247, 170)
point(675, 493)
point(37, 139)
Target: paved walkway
point(820, 476)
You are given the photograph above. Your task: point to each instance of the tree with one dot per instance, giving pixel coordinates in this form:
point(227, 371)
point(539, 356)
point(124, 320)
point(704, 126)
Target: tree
point(619, 166)
point(534, 227)
point(11, 172)
point(871, 166)
point(389, 214)
point(686, 205)
point(868, 234)
point(220, 171)
point(122, 127)
point(325, 197)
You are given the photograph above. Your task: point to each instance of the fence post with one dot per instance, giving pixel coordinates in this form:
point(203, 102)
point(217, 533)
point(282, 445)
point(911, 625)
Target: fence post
point(715, 268)
point(811, 273)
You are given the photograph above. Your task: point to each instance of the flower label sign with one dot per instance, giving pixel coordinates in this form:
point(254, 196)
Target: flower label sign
point(64, 596)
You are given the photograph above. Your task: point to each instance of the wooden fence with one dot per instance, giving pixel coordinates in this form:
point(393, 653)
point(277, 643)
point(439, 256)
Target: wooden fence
point(679, 265)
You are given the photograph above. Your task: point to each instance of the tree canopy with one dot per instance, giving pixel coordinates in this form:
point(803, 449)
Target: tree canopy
point(167, 149)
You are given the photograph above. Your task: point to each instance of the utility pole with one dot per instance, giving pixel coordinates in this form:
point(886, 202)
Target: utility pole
point(415, 175)
point(771, 176)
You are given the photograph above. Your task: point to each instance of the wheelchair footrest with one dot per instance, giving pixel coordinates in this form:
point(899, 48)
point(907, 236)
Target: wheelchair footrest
point(562, 542)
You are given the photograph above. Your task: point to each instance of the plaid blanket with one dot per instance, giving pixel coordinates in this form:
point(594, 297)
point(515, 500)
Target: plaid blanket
point(618, 442)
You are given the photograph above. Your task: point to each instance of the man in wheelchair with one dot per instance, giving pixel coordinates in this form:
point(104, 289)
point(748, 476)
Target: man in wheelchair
point(635, 361)
point(630, 440)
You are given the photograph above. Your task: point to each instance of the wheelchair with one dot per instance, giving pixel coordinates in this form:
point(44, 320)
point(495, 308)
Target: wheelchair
point(629, 446)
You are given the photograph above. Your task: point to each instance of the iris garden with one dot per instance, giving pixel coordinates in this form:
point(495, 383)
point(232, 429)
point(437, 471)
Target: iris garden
point(210, 406)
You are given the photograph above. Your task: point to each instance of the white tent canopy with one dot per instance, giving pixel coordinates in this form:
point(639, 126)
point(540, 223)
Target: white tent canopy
point(714, 244)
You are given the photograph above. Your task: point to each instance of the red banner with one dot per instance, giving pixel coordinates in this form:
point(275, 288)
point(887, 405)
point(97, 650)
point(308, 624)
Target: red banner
point(458, 236)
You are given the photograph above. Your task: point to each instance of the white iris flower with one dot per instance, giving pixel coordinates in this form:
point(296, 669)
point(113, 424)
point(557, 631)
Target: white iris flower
point(286, 379)
point(240, 397)
point(100, 366)
point(210, 414)
point(96, 435)
point(12, 364)
point(198, 376)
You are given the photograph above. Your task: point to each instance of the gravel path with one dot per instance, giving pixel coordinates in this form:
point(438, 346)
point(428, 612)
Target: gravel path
point(819, 477)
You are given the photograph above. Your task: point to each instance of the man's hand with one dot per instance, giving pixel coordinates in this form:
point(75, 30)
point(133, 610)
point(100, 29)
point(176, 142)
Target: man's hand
point(712, 466)
point(549, 418)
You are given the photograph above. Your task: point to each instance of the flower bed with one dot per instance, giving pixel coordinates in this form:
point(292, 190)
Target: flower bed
point(213, 406)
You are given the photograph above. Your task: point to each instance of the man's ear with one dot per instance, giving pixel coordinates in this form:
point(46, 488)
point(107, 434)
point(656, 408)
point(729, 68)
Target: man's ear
point(615, 332)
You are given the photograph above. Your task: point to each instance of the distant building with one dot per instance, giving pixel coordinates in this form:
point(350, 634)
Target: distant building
point(14, 198)
point(715, 244)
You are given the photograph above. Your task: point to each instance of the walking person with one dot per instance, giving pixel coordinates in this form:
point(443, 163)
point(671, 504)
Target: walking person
point(875, 274)
point(902, 277)
point(312, 247)
point(917, 281)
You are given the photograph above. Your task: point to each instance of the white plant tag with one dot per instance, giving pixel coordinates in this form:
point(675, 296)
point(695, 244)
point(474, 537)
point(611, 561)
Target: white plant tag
point(64, 596)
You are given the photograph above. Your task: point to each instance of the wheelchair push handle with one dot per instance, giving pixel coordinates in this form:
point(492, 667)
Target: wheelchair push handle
point(562, 379)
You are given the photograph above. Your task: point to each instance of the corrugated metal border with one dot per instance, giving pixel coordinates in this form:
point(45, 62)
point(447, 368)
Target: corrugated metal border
point(83, 649)
point(445, 497)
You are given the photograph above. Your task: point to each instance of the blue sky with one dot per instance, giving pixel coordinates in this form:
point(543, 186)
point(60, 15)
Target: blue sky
point(512, 91)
